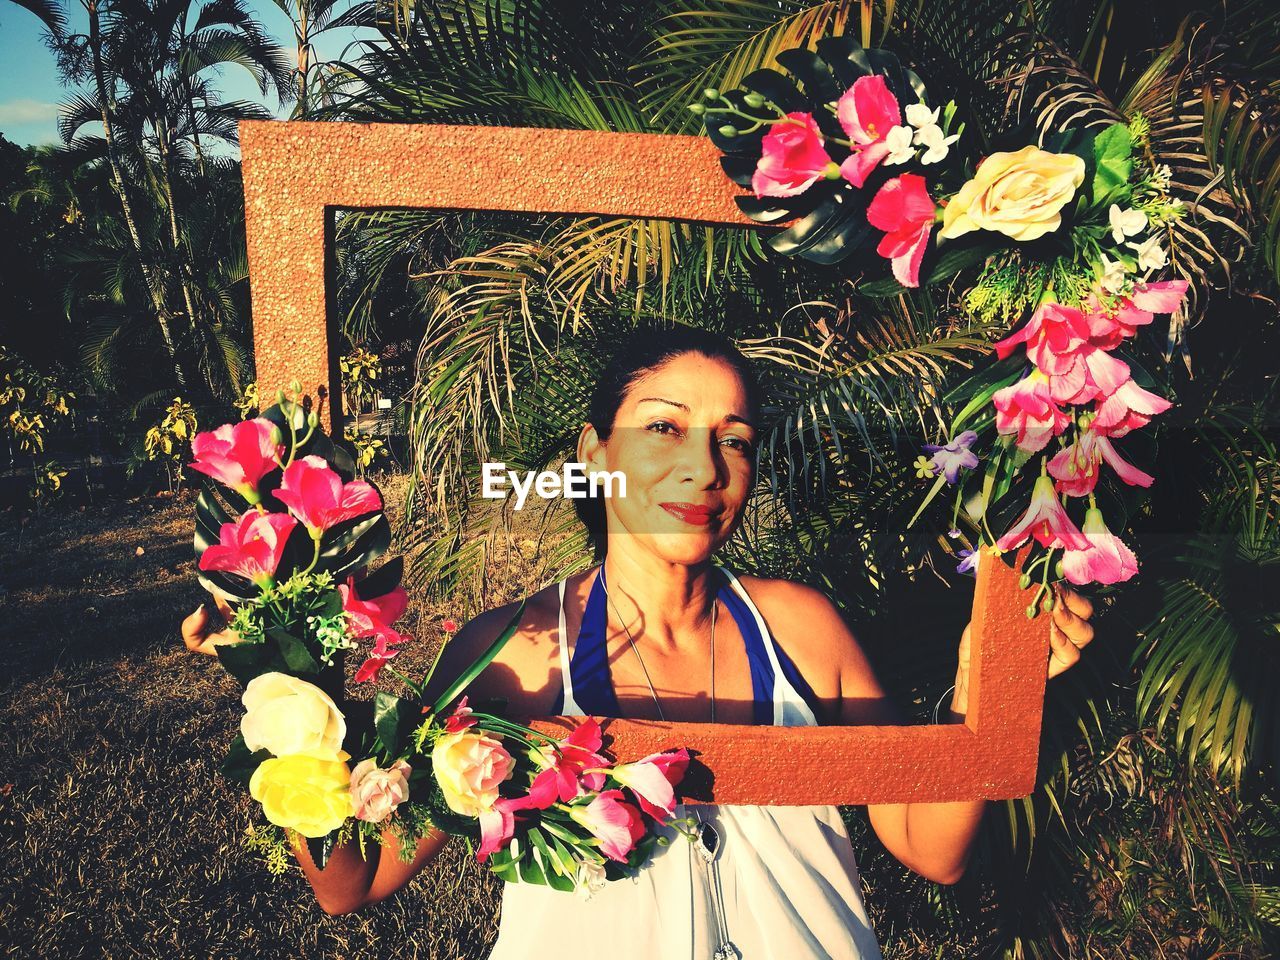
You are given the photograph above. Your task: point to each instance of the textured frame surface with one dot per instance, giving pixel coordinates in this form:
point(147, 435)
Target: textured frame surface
point(296, 174)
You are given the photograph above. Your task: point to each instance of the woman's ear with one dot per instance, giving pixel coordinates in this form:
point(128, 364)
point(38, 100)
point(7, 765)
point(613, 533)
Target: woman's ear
point(590, 449)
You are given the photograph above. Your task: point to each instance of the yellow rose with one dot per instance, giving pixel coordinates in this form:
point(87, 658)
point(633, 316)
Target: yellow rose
point(1018, 194)
point(469, 768)
point(307, 794)
point(289, 716)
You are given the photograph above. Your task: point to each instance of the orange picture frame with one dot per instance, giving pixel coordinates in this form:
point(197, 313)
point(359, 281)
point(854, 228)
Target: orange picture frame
point(296, 174)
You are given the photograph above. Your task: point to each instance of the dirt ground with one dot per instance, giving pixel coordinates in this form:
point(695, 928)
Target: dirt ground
point(118, 834)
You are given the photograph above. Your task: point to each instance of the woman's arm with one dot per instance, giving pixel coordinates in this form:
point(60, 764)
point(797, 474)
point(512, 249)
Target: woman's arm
point(933, 839)
point(349, 882)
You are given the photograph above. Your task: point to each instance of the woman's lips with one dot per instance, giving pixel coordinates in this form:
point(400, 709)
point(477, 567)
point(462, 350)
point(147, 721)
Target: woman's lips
point(691, 513)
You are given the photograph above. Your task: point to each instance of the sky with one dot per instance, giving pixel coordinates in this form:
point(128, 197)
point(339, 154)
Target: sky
point(30, 90)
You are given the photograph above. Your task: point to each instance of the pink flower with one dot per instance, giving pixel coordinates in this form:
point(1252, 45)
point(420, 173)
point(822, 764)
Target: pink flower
point(316, 495)
point(251, 547)
point(470, 767)
point(498, 825)
point(377, 791)
point(1045, 520)
point(1076, 467)
point(1127, 408)
point(1027, 410)
point(449, 626)
point(1108, 328)
point(616, 824)
point(793, 158)
point(375, 614)
point(1105, 560)
point(867, 111)
point(1057, 341)
point(653, 779)
point(902, 208)
point(568, 768)
point(240, 455)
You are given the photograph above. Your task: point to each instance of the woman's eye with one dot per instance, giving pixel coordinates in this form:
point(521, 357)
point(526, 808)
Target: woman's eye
point(663, 427)
point(737, 443)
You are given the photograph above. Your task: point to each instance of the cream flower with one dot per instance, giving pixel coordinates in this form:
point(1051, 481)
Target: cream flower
point(898, 141)
point(936, 145)
point(289, 716)
point(1151, 255)
point(1125, 223)
point(1019, 194)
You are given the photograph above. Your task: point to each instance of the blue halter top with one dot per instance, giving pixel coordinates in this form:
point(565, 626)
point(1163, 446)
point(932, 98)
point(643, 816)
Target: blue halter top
point(589, 667)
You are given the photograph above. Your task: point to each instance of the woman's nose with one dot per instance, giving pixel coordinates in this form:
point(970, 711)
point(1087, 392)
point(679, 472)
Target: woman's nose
point(700, 458)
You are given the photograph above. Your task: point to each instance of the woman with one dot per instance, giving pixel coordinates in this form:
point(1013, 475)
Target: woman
point(658, 631)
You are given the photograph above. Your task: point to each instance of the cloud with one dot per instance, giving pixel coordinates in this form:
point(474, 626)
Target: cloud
point(26, 110)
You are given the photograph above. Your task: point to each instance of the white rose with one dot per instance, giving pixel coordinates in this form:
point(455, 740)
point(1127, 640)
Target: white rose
point(290, 717)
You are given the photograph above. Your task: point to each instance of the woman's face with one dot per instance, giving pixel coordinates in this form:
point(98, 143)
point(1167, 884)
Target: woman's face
point(683, 439)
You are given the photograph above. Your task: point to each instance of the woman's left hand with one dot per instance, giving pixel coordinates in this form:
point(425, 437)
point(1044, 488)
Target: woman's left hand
point(1070, 630)
point(1069, 633)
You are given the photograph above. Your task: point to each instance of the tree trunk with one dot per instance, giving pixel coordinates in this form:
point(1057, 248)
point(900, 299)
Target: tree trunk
point(106, 103)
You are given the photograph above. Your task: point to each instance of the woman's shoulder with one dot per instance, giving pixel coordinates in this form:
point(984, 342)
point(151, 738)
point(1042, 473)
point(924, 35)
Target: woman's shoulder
point(789, 600)
point(812, 631)
point(525, 672)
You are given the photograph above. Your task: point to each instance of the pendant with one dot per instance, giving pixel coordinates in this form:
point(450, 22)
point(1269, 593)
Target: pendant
point(708, 842)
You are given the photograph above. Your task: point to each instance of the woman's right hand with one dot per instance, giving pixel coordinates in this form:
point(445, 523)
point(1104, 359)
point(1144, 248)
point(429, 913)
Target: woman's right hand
point(197, 629)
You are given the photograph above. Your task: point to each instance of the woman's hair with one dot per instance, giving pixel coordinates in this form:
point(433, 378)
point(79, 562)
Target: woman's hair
point(641, 354)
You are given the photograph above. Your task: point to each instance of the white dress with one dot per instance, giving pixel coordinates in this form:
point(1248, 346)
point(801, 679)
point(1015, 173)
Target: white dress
point(787, 878)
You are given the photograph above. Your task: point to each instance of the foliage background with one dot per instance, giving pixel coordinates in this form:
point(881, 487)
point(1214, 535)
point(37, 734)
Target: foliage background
point(1154, 829)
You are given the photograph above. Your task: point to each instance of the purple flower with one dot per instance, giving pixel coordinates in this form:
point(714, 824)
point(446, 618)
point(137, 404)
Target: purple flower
point(949, 458)
point(968, 561)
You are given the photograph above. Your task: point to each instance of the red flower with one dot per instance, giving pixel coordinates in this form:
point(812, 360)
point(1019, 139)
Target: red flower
point(316, 495)
point(1058, 343)
point(616, 824)
point(251, 547)
point(793, 158)
point(382, 654)
point(653, 781)
point(564, 778)
point(1108, 329)
point(240, 455)
point(902, 208)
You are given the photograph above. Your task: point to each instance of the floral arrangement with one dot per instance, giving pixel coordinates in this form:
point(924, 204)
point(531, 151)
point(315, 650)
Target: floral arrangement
point(288, 535)
point(1070, 235)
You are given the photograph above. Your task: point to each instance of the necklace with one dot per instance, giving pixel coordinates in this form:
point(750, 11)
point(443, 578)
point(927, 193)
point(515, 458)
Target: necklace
point(636, 650)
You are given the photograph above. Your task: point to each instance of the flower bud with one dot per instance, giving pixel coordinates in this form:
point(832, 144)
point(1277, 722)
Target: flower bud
point(1024, 581)
point(313, 419)
point(1047, 604)
point(697, 109)
point(754, 100)
point(1031, 611)
point(728, 130)
point(711, 93)
point(1058, 570)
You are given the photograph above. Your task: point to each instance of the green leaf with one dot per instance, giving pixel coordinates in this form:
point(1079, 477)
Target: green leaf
point(391, 714)
point(241, 762)
point(456, 688)
point(294, 651)
point(246, 660)
point(1113, 158)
